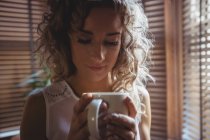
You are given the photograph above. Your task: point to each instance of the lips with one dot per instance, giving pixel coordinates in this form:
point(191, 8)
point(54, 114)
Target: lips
point(96, 67)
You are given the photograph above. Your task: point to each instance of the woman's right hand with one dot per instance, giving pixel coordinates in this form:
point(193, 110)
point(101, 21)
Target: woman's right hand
point(79, 128)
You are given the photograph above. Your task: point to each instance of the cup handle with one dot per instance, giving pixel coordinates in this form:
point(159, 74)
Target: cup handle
point(92, 118)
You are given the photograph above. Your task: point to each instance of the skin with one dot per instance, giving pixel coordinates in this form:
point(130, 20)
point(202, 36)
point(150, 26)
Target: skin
point(97, 45)
point(94, 61)
point(33, 124)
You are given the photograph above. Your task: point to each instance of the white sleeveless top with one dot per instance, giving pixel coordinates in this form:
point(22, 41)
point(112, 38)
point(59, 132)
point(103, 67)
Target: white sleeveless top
point(60, 100)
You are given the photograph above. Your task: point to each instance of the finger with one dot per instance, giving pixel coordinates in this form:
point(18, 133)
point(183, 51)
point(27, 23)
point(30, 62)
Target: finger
point(102, 125)
point(82, 134)
point(79, 121)
point(102, 130)
point(131, 107)
point(102, 113)
point(101, 120)
point(103, 107)
point(121, 132)
point(82, 103)
point(121, 120)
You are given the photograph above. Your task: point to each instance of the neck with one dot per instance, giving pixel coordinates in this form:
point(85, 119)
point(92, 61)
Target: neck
point(80, 85)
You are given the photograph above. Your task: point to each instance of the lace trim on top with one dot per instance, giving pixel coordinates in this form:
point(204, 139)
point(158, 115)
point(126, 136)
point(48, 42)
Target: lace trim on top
point(57, 92)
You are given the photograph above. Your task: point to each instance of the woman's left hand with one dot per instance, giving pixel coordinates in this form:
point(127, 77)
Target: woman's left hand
point(120, 126)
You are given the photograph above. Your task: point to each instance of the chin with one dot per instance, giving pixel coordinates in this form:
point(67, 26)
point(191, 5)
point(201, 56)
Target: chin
point(96, 78)
point(93, 77)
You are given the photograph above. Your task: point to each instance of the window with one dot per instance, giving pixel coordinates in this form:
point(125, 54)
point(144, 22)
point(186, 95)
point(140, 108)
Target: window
point(17, 22)
point(196, 42)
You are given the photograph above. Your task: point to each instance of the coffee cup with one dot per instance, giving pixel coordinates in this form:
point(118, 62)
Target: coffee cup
point(115, 105)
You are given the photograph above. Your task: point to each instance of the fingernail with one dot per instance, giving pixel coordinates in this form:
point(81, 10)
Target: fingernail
point(115, 115)
point(104, 106)
point(83, 94)
point(128, 99)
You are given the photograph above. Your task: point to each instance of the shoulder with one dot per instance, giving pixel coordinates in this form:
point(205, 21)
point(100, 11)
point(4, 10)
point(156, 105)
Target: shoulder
point(144, 95)
point(36, 101)
point(146, 101)
point(145, 123)
point(56, 91)
point(34, 118)
point(145, 104)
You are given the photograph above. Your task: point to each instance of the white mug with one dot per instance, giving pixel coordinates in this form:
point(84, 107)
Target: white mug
point(115, 104)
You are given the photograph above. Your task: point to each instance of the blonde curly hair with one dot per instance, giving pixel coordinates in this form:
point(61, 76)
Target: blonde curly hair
point(66, 16)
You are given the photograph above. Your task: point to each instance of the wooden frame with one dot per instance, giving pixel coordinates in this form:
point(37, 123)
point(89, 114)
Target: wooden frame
point(173, 44)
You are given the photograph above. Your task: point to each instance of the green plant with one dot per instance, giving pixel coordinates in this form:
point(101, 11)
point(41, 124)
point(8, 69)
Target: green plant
point(37, 80)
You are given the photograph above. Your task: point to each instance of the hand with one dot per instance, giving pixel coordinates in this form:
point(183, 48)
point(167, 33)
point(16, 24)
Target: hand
point(79, 129)
point(122, 127)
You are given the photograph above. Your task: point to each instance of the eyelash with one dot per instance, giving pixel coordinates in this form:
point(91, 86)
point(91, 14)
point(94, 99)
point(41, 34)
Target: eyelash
point(114, 43)
point(106, 43)
point(84, 41)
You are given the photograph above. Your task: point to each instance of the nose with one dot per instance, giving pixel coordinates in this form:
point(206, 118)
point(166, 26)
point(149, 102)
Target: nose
point(98, 52)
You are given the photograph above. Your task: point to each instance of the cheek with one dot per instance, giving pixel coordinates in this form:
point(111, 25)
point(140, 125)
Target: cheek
point(77, 52)
point(113, 56)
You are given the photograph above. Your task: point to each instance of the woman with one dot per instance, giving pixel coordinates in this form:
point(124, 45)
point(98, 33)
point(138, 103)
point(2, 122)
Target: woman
point(89, 46)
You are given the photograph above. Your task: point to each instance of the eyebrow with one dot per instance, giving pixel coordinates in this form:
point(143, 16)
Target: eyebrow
point(90, 33)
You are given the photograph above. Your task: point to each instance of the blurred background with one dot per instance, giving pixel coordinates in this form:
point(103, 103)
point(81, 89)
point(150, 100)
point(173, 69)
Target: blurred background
point(180, 97)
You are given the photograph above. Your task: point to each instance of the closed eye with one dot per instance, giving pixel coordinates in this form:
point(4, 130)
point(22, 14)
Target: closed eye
point(111, 43)
point(84, 41)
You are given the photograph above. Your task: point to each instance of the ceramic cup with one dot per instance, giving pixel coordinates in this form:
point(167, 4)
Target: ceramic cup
point(115, 104)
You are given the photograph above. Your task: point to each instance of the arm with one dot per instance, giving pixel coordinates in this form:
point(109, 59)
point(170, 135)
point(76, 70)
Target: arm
point(145, 123)
point(33, 125)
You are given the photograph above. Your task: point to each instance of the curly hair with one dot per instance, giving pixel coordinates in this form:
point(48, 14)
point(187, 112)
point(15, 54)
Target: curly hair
point(66, 16)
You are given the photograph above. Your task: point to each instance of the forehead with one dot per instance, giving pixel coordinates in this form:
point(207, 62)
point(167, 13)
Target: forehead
point(103, 19)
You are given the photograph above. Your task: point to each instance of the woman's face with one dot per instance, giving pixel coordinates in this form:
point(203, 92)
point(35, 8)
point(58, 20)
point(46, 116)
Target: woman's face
point(96, 47)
